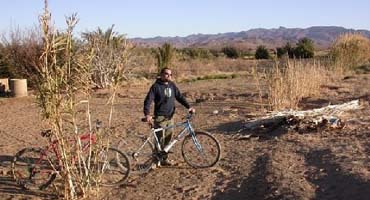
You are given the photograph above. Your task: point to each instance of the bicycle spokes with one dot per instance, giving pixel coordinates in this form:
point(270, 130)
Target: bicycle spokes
point(200, 150)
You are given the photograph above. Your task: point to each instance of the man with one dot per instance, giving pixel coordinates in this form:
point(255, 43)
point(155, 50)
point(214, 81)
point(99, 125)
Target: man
point(164, 92)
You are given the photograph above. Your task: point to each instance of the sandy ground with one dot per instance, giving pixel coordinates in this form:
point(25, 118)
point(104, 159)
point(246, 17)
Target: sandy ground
point(325, 164)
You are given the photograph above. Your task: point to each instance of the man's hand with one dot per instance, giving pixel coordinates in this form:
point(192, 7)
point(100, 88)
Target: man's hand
point(191, 110)
point(149, 119)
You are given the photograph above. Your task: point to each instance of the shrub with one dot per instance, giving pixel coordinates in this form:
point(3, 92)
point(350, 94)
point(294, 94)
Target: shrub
point(262, 53)
point(20, 53)
point(231, 52)
point(285, 50)
point(195, 53)
point(287, 83)
point(304, 49)
point(350, 50)
point(4, 68)
point(280, 52)
point(215, 53)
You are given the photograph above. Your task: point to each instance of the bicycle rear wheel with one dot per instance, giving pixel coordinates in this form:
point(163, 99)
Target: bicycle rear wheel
point(201, 151)
point(32, 169)
point(113, 167)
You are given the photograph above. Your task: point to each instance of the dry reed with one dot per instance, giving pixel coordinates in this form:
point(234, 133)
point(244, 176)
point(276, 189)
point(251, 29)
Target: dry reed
point(63, 87)
point(287, 83)
point(350, 50)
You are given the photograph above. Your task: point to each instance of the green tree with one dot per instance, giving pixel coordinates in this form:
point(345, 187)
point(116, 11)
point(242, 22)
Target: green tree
point(280, 52)
point(305, 48)
point(285, 50)
point(4, 68)
point(289, 49)
point(262, 53)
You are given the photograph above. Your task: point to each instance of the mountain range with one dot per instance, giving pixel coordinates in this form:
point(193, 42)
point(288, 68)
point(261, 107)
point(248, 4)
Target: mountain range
point(323, 37)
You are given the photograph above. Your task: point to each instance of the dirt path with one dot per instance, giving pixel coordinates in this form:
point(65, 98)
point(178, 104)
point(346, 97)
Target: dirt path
point(330, 164)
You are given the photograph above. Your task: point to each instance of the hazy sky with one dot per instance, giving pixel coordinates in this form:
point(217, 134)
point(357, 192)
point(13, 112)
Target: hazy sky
point(150, 18)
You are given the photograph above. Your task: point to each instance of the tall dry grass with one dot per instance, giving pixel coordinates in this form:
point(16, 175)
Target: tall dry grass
point(60, 75)
point(287, 83)
point(350, 50)
point(64, 85)
point(202, 67)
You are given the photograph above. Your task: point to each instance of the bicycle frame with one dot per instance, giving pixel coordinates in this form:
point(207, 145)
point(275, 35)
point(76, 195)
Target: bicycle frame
point(38, 167)
point(52, 148)
point(187, 129)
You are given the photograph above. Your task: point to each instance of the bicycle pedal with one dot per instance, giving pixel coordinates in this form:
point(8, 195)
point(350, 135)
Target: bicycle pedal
point(147, 167)
point(142, 167)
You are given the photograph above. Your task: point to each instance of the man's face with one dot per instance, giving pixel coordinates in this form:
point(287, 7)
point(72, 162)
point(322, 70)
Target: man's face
point(166, 75)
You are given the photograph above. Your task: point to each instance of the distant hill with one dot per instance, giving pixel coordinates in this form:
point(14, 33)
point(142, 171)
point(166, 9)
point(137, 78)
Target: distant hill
point(323, 36)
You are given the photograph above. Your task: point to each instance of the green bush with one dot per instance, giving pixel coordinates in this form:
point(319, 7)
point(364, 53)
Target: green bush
point(304, 49)
point(195, 53)
point(215, 53)
point(262, 53)
point(231, 52)
point(286, 50)
point(280, 52)
point(4, 68)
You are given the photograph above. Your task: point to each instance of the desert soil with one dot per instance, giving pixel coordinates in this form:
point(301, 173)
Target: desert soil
point(281, 164)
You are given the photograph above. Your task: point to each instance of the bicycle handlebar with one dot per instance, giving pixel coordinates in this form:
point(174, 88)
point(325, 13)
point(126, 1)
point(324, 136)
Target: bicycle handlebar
point(188, 117)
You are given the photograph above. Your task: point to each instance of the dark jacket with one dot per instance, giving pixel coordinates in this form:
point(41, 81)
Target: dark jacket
point(164, 96)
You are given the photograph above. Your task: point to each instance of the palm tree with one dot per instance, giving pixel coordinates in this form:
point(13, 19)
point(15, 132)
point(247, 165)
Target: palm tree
point(164, 56)
point(108, 49)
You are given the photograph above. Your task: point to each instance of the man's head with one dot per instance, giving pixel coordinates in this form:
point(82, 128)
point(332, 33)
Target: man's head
point(166, 74)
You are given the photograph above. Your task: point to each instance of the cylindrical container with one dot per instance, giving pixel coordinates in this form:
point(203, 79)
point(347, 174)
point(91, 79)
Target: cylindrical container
point(4, 85)
point(18, 87)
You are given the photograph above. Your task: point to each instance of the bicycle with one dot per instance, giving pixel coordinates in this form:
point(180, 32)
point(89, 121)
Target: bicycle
point(199, 148)
point(36, 167)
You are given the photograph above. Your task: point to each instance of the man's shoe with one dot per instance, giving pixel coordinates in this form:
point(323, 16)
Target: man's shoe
point(156, 165)
point(167, 162)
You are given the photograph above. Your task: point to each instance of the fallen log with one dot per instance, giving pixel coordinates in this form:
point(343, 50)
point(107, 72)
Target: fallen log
point(329, 115)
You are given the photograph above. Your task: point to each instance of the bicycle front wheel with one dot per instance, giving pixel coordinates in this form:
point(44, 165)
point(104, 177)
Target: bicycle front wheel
point(32, 169)
point(201, 150)
point(113, 166)
point(144, 159)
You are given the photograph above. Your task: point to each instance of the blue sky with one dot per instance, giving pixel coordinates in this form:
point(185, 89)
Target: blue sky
point(150, 18)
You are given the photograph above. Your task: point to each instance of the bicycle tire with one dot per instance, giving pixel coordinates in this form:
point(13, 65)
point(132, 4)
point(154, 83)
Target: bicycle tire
point(145, 160)
point(32, 170)
point(113, 166)
point(206, 155)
